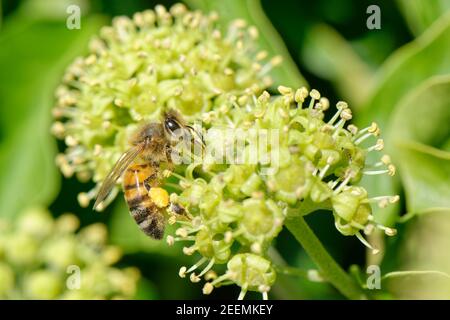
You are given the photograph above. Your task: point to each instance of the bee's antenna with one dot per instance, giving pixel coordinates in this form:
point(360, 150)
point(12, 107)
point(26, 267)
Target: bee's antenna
point(199, 136)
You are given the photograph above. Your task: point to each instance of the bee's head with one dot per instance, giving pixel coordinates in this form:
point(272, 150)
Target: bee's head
point(170, 129)
point(146, 133)
point(172, 123)
point(176, 128)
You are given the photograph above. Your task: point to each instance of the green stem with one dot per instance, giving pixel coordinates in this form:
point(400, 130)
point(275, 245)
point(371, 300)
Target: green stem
point(328, 268)
point(311, 275)
point(284, 287)
point(282, 267)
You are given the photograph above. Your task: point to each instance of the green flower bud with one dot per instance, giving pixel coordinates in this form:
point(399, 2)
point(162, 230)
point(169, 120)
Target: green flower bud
point(124, 281)
point(320, 191)
point(252, 184)
point(60, 253)
point(48, 263)
point(350, 210)
point(22, 249)
point(36, 222)
point(193, 193)
point(111, 255)
point(251, 272)
point(6, 280)
point(213, 246)
point(78, 295)
point(4, 230)
point(346, 203)
point(262, 222)
point(94, 235)
point(235, 178)
point(229, 211)
point(43, 284)
point(209, 201)
point(291, 183)
point(67, 223)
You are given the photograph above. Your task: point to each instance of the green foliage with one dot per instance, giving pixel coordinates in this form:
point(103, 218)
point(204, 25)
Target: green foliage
point(408, 67)
point(328, 55)
point(32, 58)
point(424, 165)
point(420, 14)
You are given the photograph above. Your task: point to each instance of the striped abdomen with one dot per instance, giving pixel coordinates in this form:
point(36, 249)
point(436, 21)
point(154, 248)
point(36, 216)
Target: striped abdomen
point(138, 179)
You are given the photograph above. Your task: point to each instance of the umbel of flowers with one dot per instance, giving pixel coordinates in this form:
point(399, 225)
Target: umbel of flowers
point(234, 210)
point(44, 258)
point(135, 68)
point(237, 209)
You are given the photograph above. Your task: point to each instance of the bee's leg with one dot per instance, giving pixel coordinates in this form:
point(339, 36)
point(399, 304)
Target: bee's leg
point(177, 209)
point(168, 152)
point(178, 213)
point(167, 170)
point(168, 164)
point(154, 179)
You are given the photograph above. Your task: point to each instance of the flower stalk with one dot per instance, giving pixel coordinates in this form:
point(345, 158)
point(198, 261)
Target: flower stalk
point(329, 269)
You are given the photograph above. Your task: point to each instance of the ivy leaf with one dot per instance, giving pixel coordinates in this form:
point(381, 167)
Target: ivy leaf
point(32, 58)
point(420, 14)
point(269, 39)
point(417, 284)
point(399, 274)
point(410, 215)
point(423, 251)
point(424, 167)
point(408, 67)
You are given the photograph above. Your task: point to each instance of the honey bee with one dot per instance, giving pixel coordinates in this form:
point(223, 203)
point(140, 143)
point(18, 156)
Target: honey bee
point(140, 166)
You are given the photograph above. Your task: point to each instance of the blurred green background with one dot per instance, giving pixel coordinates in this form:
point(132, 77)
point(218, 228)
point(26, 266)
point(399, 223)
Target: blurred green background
point(398, 76)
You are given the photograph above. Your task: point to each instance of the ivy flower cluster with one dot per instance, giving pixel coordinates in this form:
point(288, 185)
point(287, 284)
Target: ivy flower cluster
point(43, 258)
point(137, 67)
point(237, 210)
point(160, 59)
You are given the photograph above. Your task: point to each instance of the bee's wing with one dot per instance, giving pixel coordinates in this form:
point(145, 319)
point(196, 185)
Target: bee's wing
point(116, 172)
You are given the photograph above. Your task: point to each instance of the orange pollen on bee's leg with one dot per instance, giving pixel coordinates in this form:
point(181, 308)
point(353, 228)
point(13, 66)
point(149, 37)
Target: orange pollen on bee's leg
point(159, 196)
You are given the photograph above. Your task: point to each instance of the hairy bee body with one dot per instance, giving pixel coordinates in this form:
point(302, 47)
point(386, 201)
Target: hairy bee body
point(139, 166)
point(138, 179)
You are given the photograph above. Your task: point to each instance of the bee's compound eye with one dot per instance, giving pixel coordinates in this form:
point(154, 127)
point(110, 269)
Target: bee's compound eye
point(172, 125)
